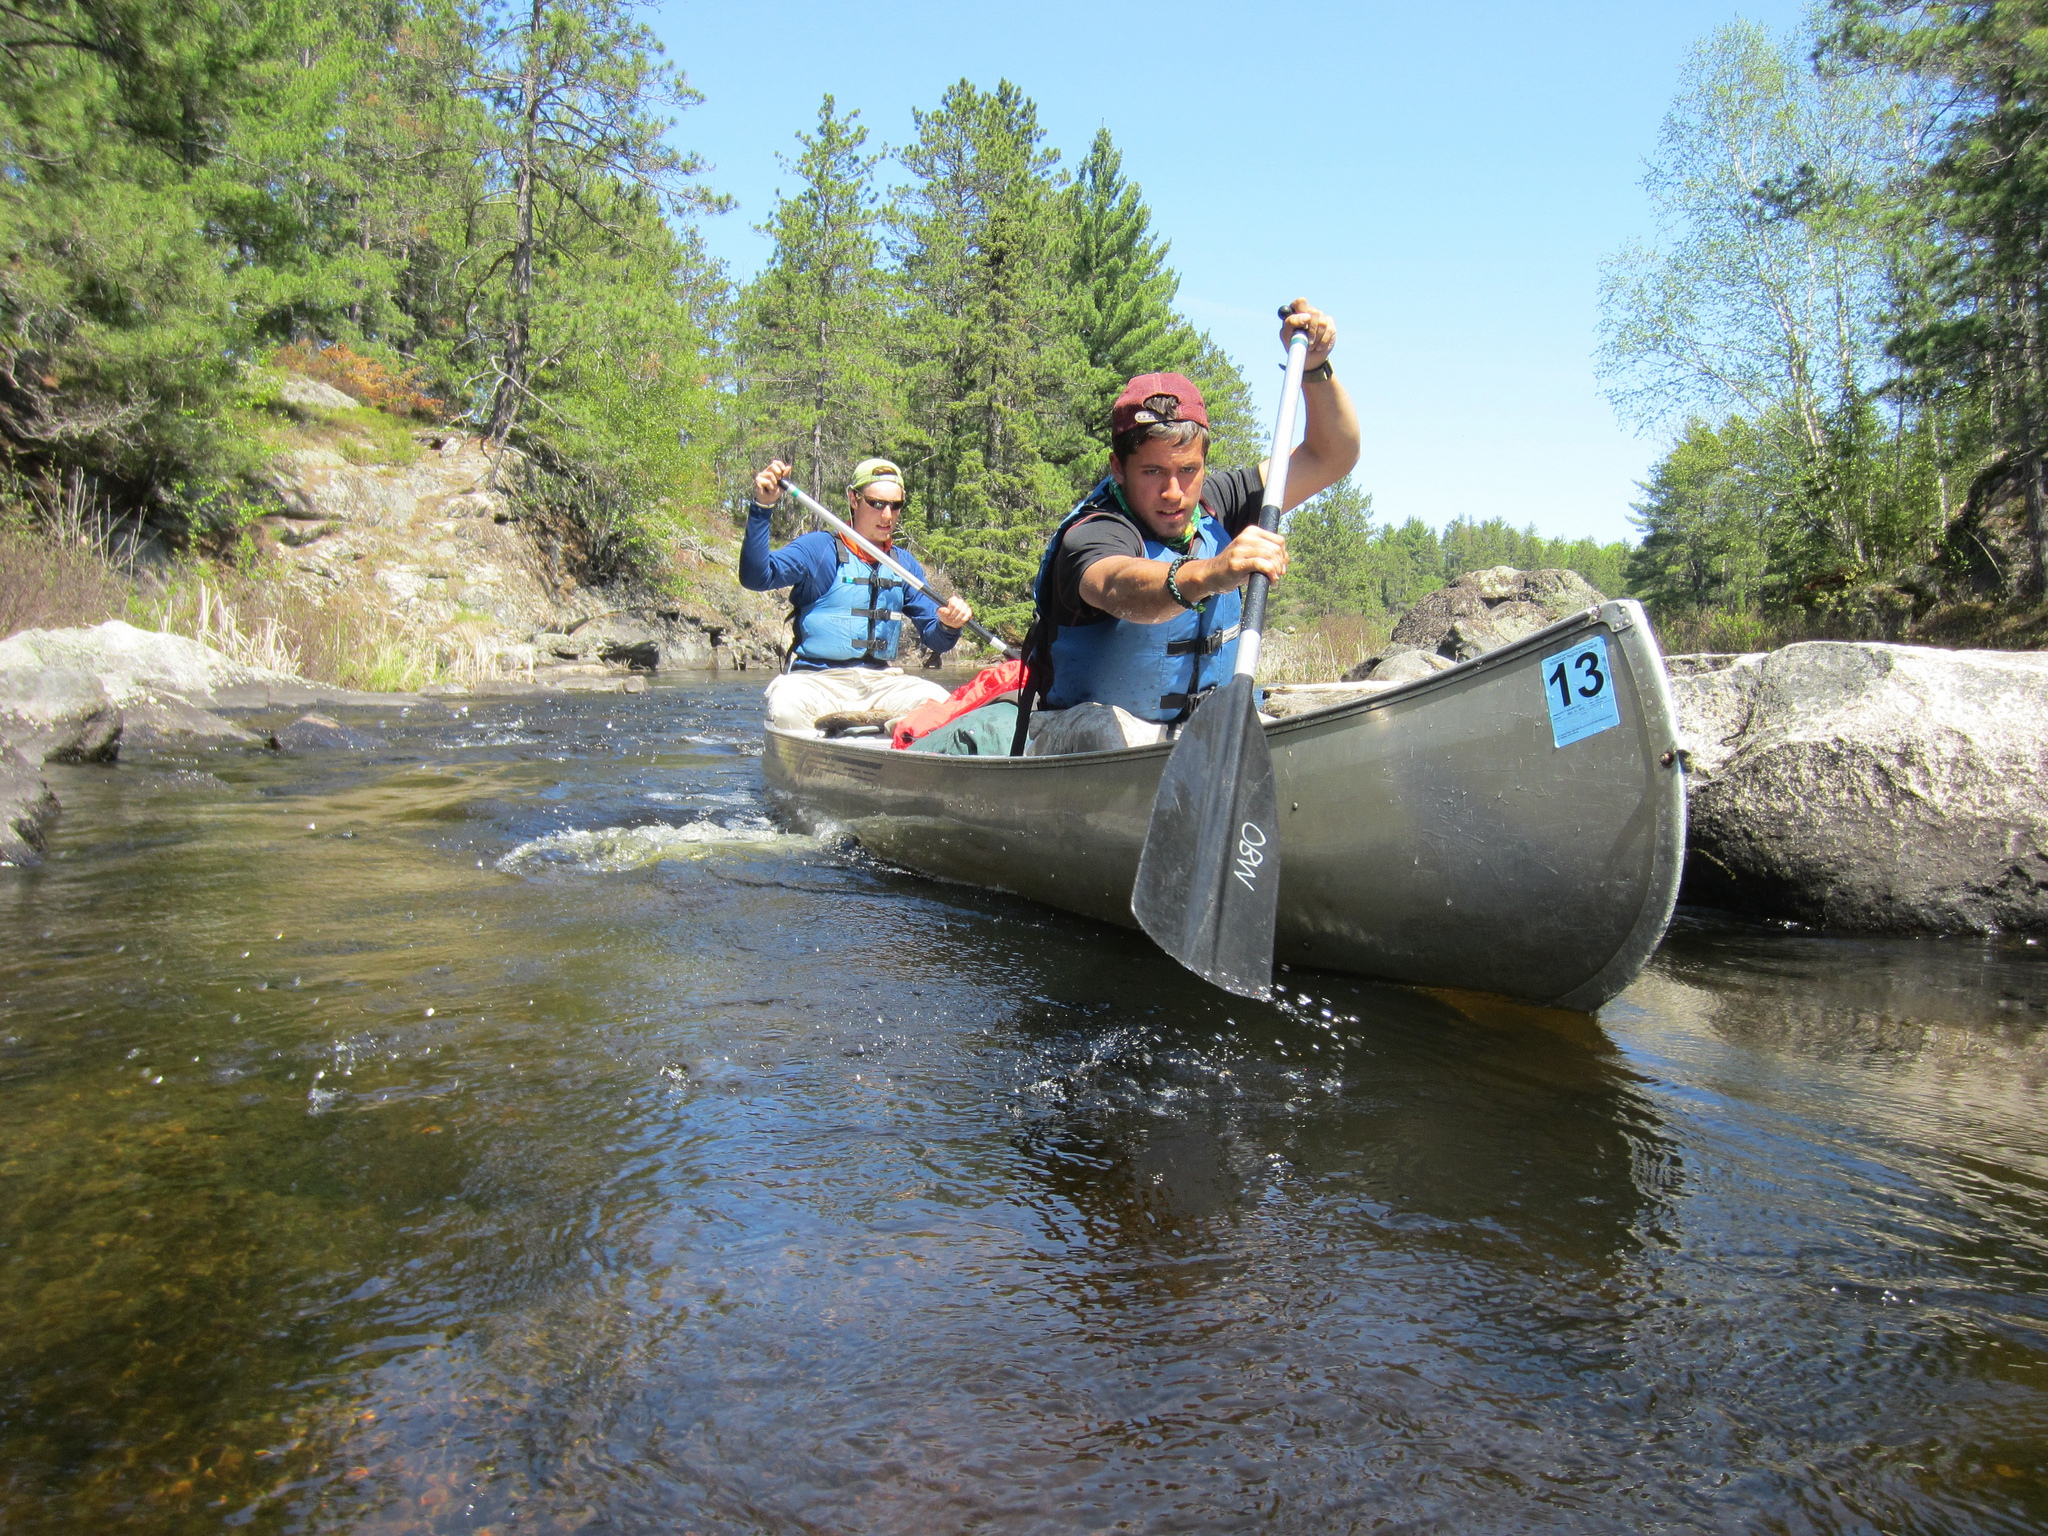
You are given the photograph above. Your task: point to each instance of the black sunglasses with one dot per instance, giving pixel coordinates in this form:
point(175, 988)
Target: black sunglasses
point(881, 506)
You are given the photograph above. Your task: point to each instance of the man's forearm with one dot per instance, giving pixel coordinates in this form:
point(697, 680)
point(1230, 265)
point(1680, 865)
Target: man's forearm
point(1135, 589)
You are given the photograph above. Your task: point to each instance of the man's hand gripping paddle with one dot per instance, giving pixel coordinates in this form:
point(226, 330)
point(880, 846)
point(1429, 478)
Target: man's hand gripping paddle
point(874, 551)
point(1208, 885)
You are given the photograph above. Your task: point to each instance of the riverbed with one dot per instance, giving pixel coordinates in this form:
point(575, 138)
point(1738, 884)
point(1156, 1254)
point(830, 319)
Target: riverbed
point(515, 1128)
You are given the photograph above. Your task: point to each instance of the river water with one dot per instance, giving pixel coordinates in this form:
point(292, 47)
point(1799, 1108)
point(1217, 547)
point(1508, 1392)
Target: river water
point(512, 1129)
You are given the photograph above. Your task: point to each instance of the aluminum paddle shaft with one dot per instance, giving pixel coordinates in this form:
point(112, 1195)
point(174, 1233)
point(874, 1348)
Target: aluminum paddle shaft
point(1254, 620)
point(875, 552)
point(1208, 886)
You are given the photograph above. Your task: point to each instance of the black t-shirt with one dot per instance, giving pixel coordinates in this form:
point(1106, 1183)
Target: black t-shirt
point(1232, 498)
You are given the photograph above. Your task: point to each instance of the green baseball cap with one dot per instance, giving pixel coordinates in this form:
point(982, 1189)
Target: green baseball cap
point(868, 471)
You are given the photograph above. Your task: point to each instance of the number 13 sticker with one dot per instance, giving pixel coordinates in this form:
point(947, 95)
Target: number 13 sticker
point(1579, 688)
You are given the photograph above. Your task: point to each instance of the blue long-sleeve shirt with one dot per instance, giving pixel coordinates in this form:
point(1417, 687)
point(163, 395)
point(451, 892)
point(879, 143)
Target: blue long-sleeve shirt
point(809, 564)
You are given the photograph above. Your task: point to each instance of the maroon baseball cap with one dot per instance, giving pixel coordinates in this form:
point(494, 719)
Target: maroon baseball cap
point(1131, 408)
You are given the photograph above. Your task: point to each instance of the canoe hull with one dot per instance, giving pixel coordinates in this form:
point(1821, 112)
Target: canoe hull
point(1433, 834)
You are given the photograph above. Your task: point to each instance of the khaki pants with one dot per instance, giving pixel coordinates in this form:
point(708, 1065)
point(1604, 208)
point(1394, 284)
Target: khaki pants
point(795, 699)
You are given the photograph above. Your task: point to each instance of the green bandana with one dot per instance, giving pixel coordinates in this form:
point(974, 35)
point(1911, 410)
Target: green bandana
point(1180, 544)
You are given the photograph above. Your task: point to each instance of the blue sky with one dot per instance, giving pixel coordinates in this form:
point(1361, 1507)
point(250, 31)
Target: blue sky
point(1445, 180)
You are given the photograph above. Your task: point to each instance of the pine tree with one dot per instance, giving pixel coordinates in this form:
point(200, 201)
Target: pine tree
point(1712, 528)
point(984, 249)
point(1123, 314)
point(820, 385)
point(1329, 554)
point(121, 310)
point(578, 86)
point(1123, 289)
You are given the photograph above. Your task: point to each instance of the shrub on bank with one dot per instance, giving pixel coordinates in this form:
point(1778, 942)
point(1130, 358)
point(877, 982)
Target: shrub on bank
point(53, 585)
point(399, 390)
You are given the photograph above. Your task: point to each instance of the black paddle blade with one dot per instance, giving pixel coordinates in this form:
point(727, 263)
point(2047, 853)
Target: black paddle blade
point(1209, 879)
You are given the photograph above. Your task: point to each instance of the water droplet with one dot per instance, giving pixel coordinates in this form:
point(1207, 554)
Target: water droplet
point(430, 1013)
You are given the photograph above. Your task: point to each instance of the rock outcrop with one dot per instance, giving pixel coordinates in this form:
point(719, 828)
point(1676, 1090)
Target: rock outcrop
point(441, 544)
point(55, 714)
point(47, 715)
point(307, 394)
point(80, 695)
point(1479, 612)
point(1866, 786)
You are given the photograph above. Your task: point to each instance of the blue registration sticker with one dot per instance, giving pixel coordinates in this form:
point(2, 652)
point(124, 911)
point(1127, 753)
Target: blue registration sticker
point(1579, 686)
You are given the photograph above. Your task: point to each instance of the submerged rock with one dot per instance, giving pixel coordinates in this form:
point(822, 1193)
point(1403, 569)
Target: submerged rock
point(171, 721)
point(322, 733)
point(1867, 786)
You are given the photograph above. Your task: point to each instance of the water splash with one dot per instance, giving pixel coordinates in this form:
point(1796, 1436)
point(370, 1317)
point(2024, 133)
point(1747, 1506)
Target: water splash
point(610, 850)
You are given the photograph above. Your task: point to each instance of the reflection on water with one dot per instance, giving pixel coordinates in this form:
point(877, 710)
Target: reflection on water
point(514, 1130)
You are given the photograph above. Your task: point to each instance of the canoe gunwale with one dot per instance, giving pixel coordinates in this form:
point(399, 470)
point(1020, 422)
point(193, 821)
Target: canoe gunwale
point(1619, 622)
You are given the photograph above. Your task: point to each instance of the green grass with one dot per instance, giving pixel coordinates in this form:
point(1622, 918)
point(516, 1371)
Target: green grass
point(368, 436)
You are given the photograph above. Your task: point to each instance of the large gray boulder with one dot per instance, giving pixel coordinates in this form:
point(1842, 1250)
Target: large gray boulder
point(131, 663)
point(313, 395)
point(56, 715)
point(1479, 612)
point(26, 806)
point(1888, 788)
point(52, 716)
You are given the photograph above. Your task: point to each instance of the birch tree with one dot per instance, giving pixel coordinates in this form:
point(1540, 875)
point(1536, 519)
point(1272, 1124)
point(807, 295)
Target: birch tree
point(1770, 289)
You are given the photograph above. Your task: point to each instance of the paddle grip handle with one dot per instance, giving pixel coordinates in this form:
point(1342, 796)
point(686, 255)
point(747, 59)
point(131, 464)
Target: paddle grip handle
point(1252, 622)
point(841, 526)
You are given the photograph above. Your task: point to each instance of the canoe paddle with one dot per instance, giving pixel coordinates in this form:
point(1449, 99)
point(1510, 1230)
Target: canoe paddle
point(875, 552)
point(1208, 886)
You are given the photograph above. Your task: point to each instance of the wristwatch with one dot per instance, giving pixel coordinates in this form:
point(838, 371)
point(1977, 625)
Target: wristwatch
point(1321, 373)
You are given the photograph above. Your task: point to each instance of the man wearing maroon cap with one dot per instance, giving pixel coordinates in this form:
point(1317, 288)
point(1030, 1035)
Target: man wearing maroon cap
point(1139, 591)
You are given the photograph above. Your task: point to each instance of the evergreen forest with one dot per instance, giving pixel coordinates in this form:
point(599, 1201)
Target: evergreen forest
point(476, 212)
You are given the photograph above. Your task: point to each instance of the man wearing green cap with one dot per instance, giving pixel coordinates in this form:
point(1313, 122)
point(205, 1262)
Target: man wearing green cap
point(848, 609)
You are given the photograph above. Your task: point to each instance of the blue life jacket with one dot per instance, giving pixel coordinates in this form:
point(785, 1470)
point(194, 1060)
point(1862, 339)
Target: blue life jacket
point(1156, 671)
point(854, 620)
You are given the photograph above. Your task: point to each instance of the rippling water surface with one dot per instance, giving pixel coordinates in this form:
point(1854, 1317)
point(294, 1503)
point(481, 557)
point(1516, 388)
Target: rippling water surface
point(514, 1130)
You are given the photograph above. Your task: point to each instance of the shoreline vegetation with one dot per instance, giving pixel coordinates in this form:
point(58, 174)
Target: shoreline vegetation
point(474, 220)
